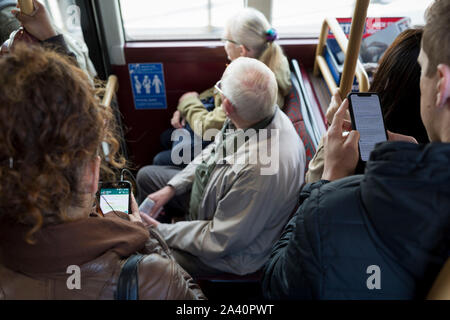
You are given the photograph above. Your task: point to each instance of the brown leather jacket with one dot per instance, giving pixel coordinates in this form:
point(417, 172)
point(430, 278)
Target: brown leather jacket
point(99, 246)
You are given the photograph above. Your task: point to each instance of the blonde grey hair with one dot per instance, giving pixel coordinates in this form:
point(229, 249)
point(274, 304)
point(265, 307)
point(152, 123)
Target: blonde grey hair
point(251, 87)
point(249, 28)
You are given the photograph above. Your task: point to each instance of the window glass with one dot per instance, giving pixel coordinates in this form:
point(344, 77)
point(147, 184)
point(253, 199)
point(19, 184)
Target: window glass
point(176, 19)
point(305, 17)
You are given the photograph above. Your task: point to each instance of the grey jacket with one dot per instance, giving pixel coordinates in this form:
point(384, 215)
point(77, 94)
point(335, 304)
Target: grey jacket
point(246, 204)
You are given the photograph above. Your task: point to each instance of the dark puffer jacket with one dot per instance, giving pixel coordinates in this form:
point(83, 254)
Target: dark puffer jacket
point(395, 217)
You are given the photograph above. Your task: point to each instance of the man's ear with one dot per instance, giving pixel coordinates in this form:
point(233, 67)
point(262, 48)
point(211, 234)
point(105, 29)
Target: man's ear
point(243, 51)
point(443, 85)
point(228, 107)
point(91, 175)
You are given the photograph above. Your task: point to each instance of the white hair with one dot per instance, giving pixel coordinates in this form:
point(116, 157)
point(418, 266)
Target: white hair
point(249, 27)
point(251, 87)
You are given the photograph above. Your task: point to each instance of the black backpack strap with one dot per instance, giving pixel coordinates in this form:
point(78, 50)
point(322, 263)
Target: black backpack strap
point(128, 285)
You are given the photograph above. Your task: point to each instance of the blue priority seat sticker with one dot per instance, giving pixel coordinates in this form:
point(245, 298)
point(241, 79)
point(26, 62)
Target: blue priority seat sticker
point(148, 85)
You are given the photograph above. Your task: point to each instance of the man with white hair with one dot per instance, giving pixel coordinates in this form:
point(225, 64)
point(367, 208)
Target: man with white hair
point(236, 201)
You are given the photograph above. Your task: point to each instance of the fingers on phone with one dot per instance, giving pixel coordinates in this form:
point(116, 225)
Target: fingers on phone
point(339, 117)
point(145, 219)
point(352, 140)
point(347, 125)
point(154, 210)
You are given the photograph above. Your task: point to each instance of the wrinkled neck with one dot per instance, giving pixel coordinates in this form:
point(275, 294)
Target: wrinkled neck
point(83, 210)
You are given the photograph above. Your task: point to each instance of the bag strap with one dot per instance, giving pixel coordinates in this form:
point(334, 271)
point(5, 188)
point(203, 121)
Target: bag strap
point(7, 3)
point(128, 285)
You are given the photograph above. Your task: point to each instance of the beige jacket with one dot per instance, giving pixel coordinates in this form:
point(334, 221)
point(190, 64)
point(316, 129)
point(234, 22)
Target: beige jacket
point(316, 165)
point(201, 120)
point(243, 211)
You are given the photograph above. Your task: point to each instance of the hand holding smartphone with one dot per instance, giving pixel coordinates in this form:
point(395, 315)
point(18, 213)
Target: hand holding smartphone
point(147, 206)
point(367, 119)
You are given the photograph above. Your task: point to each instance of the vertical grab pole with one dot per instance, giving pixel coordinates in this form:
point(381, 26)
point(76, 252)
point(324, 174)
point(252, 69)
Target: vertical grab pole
point(354, 43)
point(26, 6)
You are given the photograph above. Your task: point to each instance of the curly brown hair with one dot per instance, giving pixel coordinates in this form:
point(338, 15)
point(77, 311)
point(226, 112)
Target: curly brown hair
point(51, 126)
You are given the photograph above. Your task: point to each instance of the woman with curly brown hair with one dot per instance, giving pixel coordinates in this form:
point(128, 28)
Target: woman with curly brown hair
point(51, 127)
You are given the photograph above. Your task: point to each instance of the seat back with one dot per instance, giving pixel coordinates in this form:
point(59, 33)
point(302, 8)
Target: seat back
point(230, 286)
point(293, 111)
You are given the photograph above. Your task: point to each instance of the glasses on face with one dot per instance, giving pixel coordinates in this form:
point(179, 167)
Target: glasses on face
point(218, 87)
point(229, 40)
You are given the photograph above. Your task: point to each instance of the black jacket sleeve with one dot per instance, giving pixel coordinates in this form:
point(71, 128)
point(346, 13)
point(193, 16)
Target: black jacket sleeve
point(286, 275)
point(58, 44)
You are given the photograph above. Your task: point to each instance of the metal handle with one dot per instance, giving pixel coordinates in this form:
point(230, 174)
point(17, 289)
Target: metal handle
point(111, 88)
point(350, 47)
point(26, 6)
point(354, 43)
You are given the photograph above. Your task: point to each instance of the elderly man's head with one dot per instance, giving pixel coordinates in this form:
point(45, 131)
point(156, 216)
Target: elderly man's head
point(250, 91)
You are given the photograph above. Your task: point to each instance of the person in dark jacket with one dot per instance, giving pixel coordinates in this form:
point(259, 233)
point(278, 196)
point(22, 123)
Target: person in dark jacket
point(384, 234)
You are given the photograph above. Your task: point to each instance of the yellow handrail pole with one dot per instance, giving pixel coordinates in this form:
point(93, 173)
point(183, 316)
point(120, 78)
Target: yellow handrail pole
point(320, 63)
point(319, 49)
point(441, 287)
point(111, 88)
point(354, 43)
point(26, 6)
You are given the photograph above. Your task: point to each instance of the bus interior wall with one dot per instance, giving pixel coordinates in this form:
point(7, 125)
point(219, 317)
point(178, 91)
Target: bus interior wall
point(186, 68)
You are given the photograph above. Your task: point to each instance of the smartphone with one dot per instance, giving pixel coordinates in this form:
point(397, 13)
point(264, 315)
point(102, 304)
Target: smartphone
point(367, 118)
point(115, 196)
point(147, 206)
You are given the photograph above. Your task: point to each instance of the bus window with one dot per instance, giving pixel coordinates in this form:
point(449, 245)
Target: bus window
point(176, 19)
point(294, 18)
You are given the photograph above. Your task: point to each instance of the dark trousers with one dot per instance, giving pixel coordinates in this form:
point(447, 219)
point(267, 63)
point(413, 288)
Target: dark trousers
point(153, 178)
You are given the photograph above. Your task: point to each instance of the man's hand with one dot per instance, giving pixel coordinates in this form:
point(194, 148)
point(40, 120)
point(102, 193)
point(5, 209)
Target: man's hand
point(160, 198)
point(176, 120)
point(137, 216)
point(400, 137)
point(335, 103)
point(341, 152)
point(149, 221)
point(188, 95)
point(38, 23)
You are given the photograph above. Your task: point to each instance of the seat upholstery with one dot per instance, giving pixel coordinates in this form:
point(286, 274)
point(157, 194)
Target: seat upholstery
point(293, 111)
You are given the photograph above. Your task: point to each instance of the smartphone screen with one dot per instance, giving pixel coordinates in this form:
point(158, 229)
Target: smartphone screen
point(115, 197)
point(367, 118)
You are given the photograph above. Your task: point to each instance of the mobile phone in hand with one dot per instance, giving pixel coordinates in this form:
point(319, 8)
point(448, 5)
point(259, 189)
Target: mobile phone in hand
point(147, 206)
point(367, 118)
point(115, 196)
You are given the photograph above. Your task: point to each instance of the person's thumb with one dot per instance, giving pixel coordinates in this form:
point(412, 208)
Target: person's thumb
point(155, 209)
point(146, 219)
